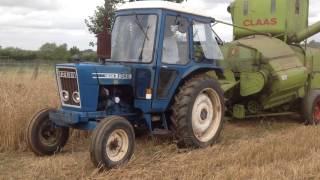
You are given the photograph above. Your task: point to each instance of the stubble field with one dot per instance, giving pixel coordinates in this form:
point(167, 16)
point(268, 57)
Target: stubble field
point(273, 148)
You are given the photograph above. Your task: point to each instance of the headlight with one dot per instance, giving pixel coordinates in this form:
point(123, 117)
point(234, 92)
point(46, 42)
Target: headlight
point(76, 97)
point(65, 96)
point(117, 100)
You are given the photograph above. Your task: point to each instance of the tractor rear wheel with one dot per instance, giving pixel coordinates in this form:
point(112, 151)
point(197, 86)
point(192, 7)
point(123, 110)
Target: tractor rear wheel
point(112, 142)
point(198, 112)
point(43, 136)
point(311, 107)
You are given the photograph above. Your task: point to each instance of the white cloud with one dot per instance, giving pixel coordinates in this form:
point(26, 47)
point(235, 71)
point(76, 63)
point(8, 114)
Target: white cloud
point(32, 4)
point(24, 27)
point(30, 23)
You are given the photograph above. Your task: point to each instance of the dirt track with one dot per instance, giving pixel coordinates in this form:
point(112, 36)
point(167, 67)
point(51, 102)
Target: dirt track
point(251, 149)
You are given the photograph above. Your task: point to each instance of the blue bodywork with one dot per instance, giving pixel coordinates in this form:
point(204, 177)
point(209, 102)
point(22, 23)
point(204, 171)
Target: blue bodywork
point(144, 76)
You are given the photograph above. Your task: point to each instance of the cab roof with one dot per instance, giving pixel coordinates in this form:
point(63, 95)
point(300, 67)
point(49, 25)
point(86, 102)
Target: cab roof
point(163, 5)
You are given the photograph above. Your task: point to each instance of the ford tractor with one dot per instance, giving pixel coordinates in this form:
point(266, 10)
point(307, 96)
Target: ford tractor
point(163, 75)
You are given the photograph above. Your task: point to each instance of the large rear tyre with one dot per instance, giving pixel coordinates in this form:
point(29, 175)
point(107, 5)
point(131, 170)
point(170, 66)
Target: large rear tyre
point(311, 107)
point(112, 143)
point(198, 112)
point(43, 136)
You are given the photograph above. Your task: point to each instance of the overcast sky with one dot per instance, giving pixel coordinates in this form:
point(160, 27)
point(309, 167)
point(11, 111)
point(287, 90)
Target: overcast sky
point(28, 24)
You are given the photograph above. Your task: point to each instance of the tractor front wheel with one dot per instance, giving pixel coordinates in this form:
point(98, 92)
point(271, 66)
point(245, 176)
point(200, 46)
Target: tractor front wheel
point(43, 136)
point(112, 142)
point(198, 112)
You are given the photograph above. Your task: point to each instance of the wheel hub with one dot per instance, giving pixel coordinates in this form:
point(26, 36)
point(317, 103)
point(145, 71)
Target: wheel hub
point(203, 114)
point(114, 144)
point(117, 145)
point(206, 115)
point(49, 134)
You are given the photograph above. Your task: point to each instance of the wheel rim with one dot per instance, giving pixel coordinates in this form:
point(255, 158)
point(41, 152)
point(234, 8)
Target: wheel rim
point(117, 145)
point(49, 134)
point(316, 114)
point(206, 115)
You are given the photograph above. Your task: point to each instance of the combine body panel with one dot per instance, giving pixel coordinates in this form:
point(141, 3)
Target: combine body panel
point(279, 18)
point(274, 72)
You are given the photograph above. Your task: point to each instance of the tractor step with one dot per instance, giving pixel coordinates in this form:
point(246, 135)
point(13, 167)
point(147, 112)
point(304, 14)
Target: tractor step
point(161, 132)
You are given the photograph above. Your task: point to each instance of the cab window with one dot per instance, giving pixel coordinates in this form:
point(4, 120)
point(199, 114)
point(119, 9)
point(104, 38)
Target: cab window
point(175, 41)
point(205, 46)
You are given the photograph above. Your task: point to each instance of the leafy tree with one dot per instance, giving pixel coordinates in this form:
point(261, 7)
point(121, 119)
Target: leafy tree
point(95, 23)
point(48, 47)
point(48, 51)
point(18, 54)
point(89, 55)
point(74, 50)
point(61, 53)
point(51, 51)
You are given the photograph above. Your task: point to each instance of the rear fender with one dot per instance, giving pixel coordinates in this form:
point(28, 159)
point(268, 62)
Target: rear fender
point(213, 72)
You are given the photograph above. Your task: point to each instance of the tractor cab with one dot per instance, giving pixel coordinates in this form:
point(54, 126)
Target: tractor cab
point(163, 43)
point(162, 75)
point(155, 47)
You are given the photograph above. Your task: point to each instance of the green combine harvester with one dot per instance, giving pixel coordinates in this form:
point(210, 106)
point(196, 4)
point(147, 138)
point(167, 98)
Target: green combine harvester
point(269, 69)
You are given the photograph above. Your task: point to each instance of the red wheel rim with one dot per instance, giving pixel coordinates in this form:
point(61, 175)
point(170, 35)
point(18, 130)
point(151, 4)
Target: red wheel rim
point(317, 113)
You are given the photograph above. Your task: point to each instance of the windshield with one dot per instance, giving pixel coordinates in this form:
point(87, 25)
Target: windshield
point(133, 38)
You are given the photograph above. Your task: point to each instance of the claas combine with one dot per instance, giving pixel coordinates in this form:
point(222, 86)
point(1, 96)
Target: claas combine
point(272, 69)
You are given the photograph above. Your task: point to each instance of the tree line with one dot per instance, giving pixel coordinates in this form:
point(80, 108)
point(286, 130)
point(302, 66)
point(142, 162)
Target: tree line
point(48, 51)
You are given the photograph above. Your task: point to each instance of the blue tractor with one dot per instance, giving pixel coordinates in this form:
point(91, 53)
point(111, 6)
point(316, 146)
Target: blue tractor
point(163, 75)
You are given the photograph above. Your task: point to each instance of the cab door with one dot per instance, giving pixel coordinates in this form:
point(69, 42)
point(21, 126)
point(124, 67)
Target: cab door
point(173, 60)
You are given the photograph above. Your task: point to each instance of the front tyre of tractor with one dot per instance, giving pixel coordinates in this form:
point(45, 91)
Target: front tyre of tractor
point(112, 142)
point(311, 107)
point(198, 112)
point(43, 136)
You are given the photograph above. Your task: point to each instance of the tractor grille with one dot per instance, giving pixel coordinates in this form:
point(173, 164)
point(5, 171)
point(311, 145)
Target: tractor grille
point(68, 83)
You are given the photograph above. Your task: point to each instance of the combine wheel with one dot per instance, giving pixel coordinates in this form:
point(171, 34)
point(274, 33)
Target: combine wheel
point(311, 107)
point(44, 137)
point(198, 112)
point(112, 143)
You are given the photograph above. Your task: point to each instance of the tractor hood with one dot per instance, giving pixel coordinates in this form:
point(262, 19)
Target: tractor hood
point(109, 74)
point(86, 78)
point(113, 74)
